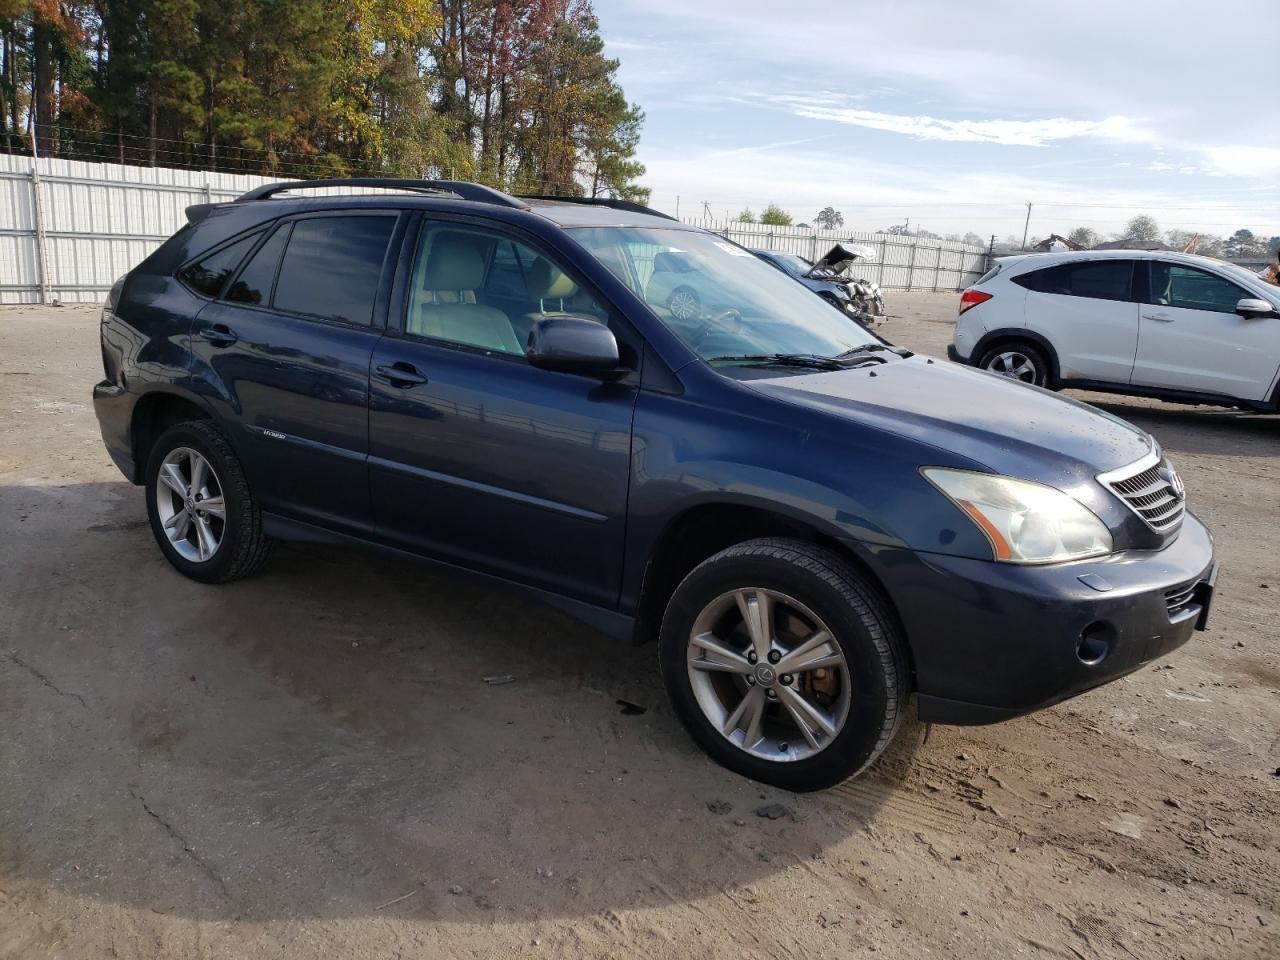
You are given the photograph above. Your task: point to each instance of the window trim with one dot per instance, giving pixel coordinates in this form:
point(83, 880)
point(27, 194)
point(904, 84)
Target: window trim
point(1151, 263)
point(276, 227)
point(397, 321)
point(257, 228)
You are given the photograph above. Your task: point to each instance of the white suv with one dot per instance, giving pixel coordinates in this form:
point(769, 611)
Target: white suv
point(1165, 325)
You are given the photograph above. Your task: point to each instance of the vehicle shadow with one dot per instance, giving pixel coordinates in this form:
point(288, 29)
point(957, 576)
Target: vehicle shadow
point(322, 741)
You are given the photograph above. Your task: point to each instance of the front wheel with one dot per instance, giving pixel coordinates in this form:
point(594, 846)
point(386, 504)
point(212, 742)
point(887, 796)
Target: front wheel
point(784, 664)
point(202, 512)
point(1017, 361)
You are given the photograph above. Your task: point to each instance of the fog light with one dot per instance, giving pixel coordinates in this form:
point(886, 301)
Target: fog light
point(1095, 643)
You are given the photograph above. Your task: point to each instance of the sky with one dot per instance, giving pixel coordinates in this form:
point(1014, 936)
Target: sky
point(957, 115)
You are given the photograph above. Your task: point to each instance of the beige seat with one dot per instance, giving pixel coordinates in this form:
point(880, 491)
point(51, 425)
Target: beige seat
point(444, 305)
point(553, 290)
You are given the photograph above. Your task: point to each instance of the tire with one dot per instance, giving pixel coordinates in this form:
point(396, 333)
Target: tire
point(1018, 360)
point(241, 546)
point(811, 587)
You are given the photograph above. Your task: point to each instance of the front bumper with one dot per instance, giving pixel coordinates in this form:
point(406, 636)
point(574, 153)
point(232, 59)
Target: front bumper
point(991, 641)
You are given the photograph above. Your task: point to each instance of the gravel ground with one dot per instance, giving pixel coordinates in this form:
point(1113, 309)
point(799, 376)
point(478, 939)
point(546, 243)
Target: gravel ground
point(310, 763)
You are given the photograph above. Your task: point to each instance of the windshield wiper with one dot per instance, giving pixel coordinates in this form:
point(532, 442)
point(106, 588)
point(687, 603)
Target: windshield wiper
point(810, 360)
point(872, 348)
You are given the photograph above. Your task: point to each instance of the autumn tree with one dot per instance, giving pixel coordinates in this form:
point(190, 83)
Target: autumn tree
point(514, 93)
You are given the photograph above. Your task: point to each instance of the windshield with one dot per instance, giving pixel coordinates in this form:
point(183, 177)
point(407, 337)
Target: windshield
point(720, 299)
point(795, 265)
point(1238, 272)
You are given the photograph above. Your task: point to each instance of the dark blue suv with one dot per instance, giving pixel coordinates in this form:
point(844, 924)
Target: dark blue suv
point(812, 523)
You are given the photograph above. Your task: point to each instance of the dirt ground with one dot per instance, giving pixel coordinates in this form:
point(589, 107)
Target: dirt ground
point(310, 764)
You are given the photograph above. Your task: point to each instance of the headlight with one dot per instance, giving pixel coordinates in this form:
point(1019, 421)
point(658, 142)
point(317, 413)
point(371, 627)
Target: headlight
point(1025, 522)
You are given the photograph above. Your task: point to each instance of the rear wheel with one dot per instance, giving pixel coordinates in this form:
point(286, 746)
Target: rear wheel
point(1017, 361)
point(783, 664)
point(202, 512)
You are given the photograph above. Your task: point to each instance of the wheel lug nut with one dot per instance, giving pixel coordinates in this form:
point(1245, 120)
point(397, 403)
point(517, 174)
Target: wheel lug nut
point(751, 657)
point(773, 695)
point(751, 681)
point(786, 679)
point(774, 656)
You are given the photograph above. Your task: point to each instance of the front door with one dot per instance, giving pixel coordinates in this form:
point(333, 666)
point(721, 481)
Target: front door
point(1191, 338)
point(478, 458)
point(289, 340)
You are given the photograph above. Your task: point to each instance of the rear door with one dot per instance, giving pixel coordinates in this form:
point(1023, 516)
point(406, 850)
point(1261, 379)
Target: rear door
point(1086, 309)
point(289, 341)
point(1191, 337)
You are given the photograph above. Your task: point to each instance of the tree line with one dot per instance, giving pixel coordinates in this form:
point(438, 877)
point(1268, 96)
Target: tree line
point(514, 93)
point(1244, 244)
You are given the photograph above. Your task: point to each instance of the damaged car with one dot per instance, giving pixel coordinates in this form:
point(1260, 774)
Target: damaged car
point(833, 279)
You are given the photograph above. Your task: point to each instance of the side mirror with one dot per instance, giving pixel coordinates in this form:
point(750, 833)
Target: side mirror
point(572, 345)
point(1255, 308)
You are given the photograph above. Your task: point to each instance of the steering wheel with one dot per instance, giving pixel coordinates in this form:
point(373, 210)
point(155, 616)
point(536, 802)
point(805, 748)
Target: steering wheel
point(719, 322)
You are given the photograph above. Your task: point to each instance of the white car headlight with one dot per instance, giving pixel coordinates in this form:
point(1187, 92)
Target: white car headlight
point(1025, 522)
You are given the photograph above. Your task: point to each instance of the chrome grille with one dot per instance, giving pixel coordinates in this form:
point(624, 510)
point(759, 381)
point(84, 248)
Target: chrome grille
point(1179, 598)
point(1151, 489)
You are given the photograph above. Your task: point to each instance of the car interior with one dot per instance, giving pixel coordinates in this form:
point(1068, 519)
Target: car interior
point(486, 291)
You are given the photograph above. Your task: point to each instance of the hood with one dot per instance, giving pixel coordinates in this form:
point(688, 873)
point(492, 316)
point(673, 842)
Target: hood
point(838, 259)
point(1008, 427)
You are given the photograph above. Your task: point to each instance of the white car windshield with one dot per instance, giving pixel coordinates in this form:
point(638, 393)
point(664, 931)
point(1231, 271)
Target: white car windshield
point(719, 298)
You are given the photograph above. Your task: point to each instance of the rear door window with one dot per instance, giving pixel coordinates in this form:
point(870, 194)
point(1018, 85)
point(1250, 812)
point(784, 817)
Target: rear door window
point(1175, 285)
point(332, 267)
point(209, 275)
point(1095, 279)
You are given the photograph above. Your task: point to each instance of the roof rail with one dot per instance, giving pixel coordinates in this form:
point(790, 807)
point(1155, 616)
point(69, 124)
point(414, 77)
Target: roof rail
point(601, 202)
point(458, 188)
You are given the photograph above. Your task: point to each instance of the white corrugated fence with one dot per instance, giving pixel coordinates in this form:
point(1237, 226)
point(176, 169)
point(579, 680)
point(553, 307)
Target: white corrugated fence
point(76, 226)
point(70, 228)
point(901, 262)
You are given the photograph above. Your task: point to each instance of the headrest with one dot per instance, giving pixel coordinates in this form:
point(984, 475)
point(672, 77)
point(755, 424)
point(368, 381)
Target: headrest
point(549, 283)
point(454, 263)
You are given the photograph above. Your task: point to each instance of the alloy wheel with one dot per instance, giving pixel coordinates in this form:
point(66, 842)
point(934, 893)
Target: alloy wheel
point(768, 674)
point(683, 304)
point(1014, 365)
point(190, 504)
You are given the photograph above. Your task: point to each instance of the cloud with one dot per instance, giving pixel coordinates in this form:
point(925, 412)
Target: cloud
point(1029, 133)
point(1245, 161)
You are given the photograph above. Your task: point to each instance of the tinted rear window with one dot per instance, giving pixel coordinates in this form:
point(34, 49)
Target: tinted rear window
point(1097, 279)
point(331, 267)
point(208, 274)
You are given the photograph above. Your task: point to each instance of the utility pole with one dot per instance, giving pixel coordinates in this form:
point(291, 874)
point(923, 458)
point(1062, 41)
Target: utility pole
point(677, 206)
point(1025, 227)
point(706, 210)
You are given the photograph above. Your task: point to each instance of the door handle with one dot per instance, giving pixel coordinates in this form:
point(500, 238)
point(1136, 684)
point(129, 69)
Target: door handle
point(1160, 317)
point(400, 374)
point(220, 335)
